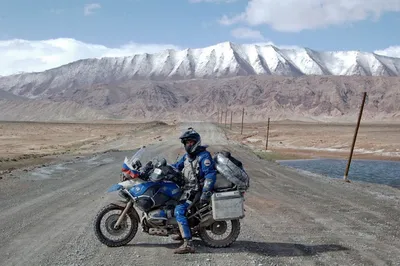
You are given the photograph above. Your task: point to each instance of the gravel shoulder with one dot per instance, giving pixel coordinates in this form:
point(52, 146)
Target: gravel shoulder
point(292, 218)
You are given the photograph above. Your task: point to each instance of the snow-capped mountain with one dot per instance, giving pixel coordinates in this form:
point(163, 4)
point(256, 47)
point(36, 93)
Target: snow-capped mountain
point(221, 60)
point(185, 85)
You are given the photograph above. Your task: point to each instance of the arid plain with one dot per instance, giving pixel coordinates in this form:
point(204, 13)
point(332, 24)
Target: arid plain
point(28, 144)
point(304, 140)
point(24, 144)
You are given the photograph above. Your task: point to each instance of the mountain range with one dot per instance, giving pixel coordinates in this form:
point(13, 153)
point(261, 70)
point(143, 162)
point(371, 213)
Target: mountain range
point(194, 83)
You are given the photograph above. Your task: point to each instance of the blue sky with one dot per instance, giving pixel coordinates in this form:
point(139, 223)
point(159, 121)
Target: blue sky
point(151, 25)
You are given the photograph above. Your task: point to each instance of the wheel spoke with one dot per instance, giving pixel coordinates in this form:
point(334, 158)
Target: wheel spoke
point(220, 233)
point(108, 234)
point(109, 222)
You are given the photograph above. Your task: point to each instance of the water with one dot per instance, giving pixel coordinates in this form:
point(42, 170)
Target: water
point(373, 171)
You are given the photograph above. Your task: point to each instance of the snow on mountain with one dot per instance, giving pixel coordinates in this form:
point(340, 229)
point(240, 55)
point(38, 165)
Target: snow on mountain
point(221, 60)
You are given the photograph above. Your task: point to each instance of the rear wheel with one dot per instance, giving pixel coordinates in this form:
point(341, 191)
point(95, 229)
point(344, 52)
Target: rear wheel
point(213, 234)
point(104, 226)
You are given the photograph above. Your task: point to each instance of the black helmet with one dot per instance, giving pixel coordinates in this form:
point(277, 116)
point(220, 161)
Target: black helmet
point(191, 134)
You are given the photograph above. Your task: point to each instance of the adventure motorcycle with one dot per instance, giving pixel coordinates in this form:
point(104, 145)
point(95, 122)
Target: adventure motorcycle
point(155, 190)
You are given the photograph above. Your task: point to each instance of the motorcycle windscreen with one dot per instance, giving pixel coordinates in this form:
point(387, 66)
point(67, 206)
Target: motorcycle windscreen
point(135, 157)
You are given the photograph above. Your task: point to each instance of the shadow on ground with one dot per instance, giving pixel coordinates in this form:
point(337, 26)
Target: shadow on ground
point(260, 248)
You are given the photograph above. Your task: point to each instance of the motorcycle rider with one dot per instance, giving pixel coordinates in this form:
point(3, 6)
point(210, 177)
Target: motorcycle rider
point(197, 167)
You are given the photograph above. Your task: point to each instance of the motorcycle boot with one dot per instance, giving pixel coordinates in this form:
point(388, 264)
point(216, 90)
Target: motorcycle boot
point(187, 247)
point(181, 235)
point(177, 237)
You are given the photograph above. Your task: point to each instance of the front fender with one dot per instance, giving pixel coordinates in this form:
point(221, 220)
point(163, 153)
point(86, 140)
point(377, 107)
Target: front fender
point(122, 205)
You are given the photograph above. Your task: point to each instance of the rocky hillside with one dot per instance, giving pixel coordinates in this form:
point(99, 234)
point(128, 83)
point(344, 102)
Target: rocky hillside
point(322, 98)
point(40, 110)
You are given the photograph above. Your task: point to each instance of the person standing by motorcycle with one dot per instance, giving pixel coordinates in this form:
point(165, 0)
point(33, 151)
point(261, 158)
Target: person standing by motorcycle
point(197, 167)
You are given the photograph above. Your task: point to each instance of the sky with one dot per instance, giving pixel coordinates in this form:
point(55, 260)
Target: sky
point(36, 35)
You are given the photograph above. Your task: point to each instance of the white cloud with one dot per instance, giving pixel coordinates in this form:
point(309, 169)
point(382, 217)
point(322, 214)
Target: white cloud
point(88, 9)
point(225, 20)
point(247, 33)
point(292, 47)
point(392, 51)
point(297, 15)
point(32, 56)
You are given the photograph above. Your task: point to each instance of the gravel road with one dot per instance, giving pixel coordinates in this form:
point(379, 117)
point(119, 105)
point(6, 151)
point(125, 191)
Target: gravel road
point(292, 218)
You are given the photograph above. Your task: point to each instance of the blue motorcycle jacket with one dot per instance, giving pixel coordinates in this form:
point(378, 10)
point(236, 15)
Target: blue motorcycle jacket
point(205, 169)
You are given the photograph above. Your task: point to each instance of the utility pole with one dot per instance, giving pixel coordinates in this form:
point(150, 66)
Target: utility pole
point(266, 143)
point(354, 140)
point(241, 132)
point(226, 114)
point(231, 120)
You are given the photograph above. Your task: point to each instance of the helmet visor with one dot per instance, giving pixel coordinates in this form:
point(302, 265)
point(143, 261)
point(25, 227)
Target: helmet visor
point(188, 142)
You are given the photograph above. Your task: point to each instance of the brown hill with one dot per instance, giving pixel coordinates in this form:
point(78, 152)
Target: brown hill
point(323, 98)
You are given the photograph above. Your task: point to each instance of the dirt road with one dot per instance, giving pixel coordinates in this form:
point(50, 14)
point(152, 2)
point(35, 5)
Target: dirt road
point(46, 217)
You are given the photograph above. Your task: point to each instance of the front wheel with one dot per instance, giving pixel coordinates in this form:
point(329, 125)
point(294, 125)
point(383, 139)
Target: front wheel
point(210, 235)
point(104, 226)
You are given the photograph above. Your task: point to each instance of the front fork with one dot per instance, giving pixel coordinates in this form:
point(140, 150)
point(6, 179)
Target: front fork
point(121, 217)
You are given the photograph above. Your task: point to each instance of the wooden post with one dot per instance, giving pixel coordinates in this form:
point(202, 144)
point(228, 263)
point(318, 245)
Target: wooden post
point(226, 114)
point(231, 120)
point(354, 140)
point(218, 116)
point(241, 132)
point(266, 142)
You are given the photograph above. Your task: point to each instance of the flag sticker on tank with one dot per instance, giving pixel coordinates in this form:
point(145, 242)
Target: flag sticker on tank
point(207, 162)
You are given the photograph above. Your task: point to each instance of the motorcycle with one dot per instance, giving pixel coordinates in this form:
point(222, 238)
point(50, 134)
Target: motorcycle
point(155, 189)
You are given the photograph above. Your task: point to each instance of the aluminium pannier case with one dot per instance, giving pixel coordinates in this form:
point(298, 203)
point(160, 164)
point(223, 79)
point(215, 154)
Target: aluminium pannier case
point(227, 205)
